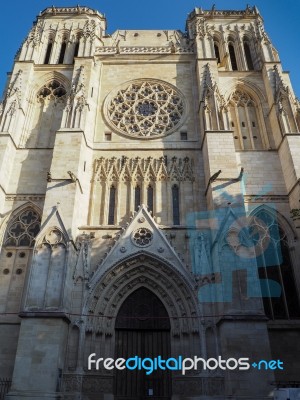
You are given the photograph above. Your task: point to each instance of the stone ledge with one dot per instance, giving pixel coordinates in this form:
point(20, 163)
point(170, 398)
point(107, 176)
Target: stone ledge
point(45, 314)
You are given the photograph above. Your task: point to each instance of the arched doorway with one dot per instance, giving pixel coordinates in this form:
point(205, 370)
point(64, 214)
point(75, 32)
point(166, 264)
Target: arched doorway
point(142, 329)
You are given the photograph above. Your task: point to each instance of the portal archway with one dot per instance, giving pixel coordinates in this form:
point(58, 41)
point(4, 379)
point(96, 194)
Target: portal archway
point(142, 329)
point(104, 306)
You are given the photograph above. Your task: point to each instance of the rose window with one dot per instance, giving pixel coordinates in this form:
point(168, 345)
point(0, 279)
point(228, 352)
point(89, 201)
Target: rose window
point(142, 237)
point(145, 108)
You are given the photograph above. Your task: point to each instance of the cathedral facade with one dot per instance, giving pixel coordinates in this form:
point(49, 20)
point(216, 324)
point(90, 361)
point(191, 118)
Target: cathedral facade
point(149, 204)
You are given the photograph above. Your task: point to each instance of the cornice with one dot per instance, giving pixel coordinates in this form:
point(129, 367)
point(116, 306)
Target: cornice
point(56, 11)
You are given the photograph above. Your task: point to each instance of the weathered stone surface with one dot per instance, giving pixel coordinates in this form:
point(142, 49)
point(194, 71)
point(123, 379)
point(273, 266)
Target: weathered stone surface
point(138, 160)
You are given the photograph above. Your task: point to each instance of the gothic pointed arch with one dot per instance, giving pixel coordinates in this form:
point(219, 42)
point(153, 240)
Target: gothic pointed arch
point(291, 233)
point(19, 234)
point(46, 280)
point(48, 98)
point(23, 223)
point(142, 270)
point(248, 52)
point(284, 103)
point(218, 50)
point(76, 43)
point(49, 265)
point(233, 60)
point(273, 236)
point(63, 48)
point(14, 215)
point(233, 255)
point(49, 49)
point(142, 326)
point(246, 120)
point(142, 309)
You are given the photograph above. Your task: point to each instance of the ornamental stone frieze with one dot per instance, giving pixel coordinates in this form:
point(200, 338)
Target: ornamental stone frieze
point(143, 169)
point(177, 49)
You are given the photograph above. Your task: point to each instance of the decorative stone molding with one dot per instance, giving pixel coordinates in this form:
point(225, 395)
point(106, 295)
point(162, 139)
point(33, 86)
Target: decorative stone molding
point(23, 229)
point(76, 101)
point(184, 49)
point(105, 300)
point(54, 90)
point(70, 10)
point(89, 30)
point(177, 49)
point(35, 35)
point(145, 50)
point(82, 267)
point(241, 99)
point(24, 197)
point(16, 85)
point(106, 50)
point(145, 109)
point(200, 28)
point(11, 103)
point(249, 11)
point(295, 214)
point(53, 238)
point(143, 169)
point(266, 199)
point(142, 237)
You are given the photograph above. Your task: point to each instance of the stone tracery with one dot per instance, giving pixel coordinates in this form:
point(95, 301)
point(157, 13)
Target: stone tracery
point(145, 108)
point(142, 237)
point(52, 91)
point(23, 229)
point(241, 99)
point(143, 169)
point(105, 299)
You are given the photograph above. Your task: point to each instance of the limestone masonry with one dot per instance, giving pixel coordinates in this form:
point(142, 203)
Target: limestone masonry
point(149, 205)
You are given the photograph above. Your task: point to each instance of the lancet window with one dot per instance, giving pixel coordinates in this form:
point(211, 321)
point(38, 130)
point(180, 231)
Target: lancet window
point(280, 296)
point(245, 122)
point(175, 202)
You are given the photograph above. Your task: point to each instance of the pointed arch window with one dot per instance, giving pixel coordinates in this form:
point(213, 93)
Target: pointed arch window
point(232, 56)
point(111, 206)
point(217, 52)
point(46, 115)
point(23, 229)
point(275, 267)
point(16, 256)
point(76, 51)
point(245, 122)
point(248, 56)
point(175, 203)
point(150, 198)
point(48, 52)
point(62, 52)
point(137, 197)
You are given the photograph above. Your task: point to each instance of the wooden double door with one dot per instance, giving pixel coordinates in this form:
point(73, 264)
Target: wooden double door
point(142, 330)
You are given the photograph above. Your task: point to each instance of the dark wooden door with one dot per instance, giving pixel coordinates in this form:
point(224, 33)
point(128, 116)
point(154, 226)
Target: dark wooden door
point(143, 330)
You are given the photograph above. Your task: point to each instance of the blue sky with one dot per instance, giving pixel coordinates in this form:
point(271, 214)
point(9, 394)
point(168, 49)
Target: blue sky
point(281, 22)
